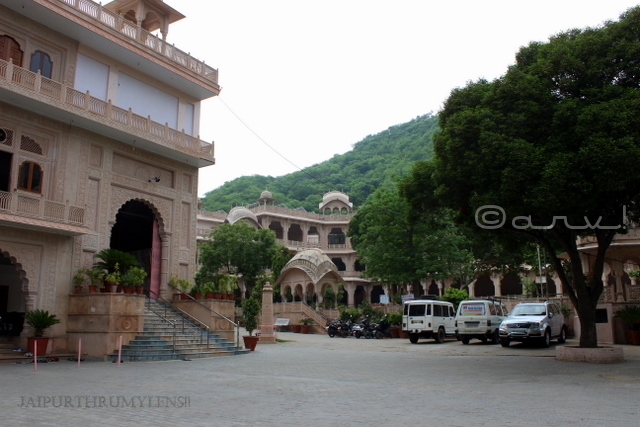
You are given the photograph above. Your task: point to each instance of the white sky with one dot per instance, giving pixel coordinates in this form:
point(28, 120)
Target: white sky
point(311, 78)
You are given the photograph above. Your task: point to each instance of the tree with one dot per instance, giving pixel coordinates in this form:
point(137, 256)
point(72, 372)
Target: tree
point(238, 249)
point(537, 152)
point(399, 247)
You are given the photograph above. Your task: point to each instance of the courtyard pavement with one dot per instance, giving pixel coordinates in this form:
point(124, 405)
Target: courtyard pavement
point(314, 380)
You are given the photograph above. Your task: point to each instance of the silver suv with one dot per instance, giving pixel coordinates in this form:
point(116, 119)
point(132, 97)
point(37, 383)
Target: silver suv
point(540, 321)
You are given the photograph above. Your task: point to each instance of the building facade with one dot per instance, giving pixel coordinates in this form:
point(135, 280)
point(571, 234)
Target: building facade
point(99, 148)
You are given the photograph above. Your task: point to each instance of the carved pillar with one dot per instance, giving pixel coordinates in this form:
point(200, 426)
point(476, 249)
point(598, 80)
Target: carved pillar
point(266, 316)
point(440, 286)
point(496, 278)
point(472, 288)
point(165, 269)
point(617, 270)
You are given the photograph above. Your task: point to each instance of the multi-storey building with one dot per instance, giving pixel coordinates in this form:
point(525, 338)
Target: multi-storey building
point(99, 148)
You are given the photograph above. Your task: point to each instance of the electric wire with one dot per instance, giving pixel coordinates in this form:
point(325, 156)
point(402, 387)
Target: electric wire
point(270, 147)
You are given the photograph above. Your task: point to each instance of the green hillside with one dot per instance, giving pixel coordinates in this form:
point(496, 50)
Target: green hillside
point(375, 161)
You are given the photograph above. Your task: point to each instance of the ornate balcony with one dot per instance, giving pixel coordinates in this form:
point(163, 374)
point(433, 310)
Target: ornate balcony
point(34, 212)
point(112, 121)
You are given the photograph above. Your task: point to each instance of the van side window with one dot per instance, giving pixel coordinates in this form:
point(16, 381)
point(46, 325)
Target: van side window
point(437, 310)
point(452, 312)
point(416, 310)
point(428, 309)
point(492, 309)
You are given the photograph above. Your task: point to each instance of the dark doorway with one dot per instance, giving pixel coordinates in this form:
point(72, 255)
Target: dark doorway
point(133, 233)
point(12, 302)
point(5, 170)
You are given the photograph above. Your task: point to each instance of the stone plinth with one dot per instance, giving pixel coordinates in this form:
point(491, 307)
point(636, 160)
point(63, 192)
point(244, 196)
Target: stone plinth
point(202, 310)
point(266, 327)
point(590, 355)
point(100, 319)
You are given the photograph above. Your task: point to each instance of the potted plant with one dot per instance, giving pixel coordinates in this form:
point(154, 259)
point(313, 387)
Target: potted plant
point(630, 315)
point(196, 291)
point(305, 324)
point(228, 284)
point(39, 320)
point(113, 279)
point(95, 279)
point(78, 280)
point(250, 311)
point(108, 259)
point(634, 275)
point(133, 280)
point(395, 320)
point(209, 289)
point(185, 286)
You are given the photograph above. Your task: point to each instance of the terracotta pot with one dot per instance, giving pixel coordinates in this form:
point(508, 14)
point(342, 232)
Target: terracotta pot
point(231, 296)
point(93, 289)
point(217, 295)
point(404, 334)
point(42, 345)
point(184, 297)
point(208, 295)
point(128, 289)
point(395, 331)
point(304, 329)
point(197, 295)
point(250, 342)
point(78, 289)
point(633, 337)
point(140, 289)
point(296, 328)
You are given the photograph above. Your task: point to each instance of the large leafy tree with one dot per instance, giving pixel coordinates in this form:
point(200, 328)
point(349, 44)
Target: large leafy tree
point(239, 249)
point(398, 247)
point(543, 148)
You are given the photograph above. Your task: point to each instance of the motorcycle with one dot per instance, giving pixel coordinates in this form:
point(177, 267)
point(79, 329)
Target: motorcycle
point(383, 328)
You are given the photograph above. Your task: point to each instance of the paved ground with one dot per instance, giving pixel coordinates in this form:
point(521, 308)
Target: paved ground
point(322, 381)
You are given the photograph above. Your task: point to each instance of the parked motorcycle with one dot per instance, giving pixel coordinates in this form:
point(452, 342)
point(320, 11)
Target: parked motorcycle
point(383, 328)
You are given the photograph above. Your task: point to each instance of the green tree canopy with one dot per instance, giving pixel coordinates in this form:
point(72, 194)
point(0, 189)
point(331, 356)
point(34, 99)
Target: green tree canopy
point(398, 247)
point(538, 152)
point(238, 249)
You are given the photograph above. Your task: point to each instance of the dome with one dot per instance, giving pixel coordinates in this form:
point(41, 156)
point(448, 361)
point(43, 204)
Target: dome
point(314, 263)
point(240, 212)
point(266, 195)
point(335, 196)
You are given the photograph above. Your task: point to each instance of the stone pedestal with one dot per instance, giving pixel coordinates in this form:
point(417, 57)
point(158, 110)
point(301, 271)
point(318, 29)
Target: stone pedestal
point(267, 333)
point(100, 319)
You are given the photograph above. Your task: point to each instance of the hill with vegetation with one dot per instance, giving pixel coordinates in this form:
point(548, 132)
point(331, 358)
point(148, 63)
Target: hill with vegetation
point(376, 161)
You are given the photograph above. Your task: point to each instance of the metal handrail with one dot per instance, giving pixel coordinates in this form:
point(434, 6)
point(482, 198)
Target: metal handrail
point(193, 318)
point(173, 324)
point(236, 325)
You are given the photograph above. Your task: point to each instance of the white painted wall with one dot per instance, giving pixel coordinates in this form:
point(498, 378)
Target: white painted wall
point(92, 76)
point(146, 100)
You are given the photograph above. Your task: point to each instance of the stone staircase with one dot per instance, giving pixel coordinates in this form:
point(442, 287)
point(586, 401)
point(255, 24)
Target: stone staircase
point(157, 338)
point(8, 355)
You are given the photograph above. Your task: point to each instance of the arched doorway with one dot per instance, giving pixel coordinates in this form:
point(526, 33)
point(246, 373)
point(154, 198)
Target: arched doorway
point(12, 301)
point(137, 231)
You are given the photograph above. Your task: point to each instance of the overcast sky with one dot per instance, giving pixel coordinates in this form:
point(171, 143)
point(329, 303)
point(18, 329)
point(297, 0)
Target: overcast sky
point(311, 78)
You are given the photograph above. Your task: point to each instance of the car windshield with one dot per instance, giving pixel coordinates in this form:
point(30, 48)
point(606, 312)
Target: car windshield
point(529, 310)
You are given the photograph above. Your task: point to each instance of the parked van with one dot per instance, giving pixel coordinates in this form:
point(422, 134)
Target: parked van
point(427, 318)
point(480, 319)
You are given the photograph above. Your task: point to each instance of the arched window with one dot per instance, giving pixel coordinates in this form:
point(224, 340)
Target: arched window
point(10, 49)
point(41, 61)
point(30, 177)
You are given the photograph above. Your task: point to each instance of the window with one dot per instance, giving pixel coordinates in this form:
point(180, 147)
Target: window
point(41, 61)
point(30, 177)
point(10, 49)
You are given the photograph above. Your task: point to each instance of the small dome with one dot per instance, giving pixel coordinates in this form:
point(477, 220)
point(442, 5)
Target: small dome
point(315, 263)
point(335, 196)
point(240, 212)
point(266, 195)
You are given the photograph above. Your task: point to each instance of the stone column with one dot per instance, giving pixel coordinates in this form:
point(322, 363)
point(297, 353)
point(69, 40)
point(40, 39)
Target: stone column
point(617, 270)
point(267, 334)
point(496, 278)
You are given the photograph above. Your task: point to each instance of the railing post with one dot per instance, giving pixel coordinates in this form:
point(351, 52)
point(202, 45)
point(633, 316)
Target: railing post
point(37, 82)
point(10, 70)
point(87, 100)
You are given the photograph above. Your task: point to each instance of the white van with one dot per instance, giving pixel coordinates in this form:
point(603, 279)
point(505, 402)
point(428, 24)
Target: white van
point(480, 318)
point(427, 318)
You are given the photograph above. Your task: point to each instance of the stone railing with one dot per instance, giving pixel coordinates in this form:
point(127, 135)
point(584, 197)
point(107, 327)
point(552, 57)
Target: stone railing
point(102, 16)
point(37, 207)
point(73, 99)
point(302, 214)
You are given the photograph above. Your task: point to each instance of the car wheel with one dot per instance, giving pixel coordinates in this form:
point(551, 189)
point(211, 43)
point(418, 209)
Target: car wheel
point(465, 340)
point(505, 342)
point(495, 338)
point(563, 335)
point(440, 336)
point(547, 338)
point(413, 338)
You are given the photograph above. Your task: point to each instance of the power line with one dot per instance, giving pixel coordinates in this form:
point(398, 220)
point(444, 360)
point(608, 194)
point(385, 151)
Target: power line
point(270, 147)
